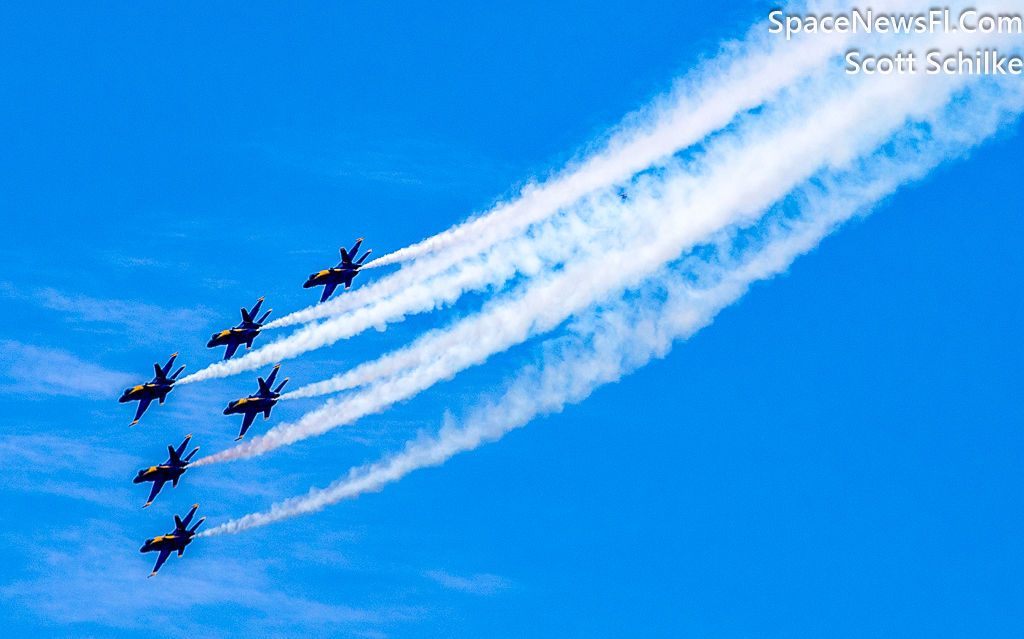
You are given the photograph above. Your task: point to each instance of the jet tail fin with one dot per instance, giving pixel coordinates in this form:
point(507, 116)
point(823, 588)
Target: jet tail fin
point(183, 524)
point(181, 448)
point(256, 308)
point(167, 366)
point(189, 457)
point(265, 316)
point(365, 255)
point(177, 372)
point(273, 375)
point(278, 389)
point(246, 318)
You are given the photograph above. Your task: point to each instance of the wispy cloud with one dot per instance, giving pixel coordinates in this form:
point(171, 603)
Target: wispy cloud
point(61, 453)
point(66, 466)
point(134, 262)
point(480, 584)
point(93, 574)
point(142, 321)
point(33, 371)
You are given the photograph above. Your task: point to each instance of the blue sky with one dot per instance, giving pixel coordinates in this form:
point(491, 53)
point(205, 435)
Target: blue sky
point(838, 454)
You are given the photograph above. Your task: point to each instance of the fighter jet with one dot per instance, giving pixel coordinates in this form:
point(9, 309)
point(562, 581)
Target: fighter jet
point(156, 389)
point(261, 402)
point(177, 539)
point(170, 471)
point(340, 274)
point(622, 194)
point(244, 333)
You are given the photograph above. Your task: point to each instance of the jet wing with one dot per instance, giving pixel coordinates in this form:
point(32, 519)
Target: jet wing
point(143, 405)
point(164, 554)
point(246, 423)
point(328, 289)
point(232, 347)
point(157, 485)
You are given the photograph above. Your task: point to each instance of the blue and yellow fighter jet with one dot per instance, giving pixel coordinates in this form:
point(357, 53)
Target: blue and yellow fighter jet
point(177, 539)
point(340, 274)
point(244, 333)
point(170, 471)
point(156, 389)
point(261, 402)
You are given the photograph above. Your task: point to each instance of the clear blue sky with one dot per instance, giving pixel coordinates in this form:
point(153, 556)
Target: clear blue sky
point(839, 454)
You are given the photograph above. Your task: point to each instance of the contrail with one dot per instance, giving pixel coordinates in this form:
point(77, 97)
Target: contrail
point(559, 241)
point(605, 347)
point(939, 121)
point(440, 279)
point(624, 335)
point(685, 206)
point(744, 77)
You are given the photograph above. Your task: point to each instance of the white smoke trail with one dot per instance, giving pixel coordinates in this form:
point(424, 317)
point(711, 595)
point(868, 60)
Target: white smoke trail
point(627, 335)
point(741, 174)
point(742, 77)
point(745, 76)
point(424, 287)
point(624, 335)
point(614, 341)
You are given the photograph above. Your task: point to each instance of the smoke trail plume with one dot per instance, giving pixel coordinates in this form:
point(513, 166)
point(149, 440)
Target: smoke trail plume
point(501, 251)
point(571, 369)
point(833, 150)
point(625, 334)
point(745, 76)
point(740, 175)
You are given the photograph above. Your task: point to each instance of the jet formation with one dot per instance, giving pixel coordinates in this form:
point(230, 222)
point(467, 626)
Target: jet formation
point(261, 402)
